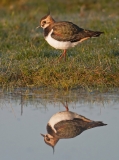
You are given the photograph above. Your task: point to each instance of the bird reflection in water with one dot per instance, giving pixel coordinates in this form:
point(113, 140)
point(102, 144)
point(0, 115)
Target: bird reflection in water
point(67, 124)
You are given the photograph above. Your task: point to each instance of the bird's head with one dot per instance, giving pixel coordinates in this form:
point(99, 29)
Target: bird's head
point(46, 21)
point(50, 140)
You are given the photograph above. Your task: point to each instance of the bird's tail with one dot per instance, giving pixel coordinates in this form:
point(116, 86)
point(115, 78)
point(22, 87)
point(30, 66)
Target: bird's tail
point(95, 33)
point(96, 124)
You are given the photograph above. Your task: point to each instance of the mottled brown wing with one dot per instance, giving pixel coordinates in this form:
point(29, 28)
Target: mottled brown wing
point(66, 31)
point(70, 128)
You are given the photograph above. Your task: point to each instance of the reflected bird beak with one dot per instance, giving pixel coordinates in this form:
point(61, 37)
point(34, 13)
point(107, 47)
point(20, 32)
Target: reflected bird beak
point(42, 135)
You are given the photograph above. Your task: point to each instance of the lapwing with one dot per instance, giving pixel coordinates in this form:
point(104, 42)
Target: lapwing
point(63, 34)
point(67, 124)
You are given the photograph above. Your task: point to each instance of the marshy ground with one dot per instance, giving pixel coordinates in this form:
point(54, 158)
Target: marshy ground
point(26, 60)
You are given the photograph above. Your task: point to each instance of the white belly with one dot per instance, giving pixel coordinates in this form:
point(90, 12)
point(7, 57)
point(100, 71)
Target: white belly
point(61, 116)
point(59, 44)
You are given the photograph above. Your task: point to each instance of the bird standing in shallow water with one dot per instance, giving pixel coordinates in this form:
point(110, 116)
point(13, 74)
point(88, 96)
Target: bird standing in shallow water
point(67, 124)
point(64, 35)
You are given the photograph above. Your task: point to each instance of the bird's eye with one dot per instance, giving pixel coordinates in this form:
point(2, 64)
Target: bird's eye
point(44, 22)
point(48, 139)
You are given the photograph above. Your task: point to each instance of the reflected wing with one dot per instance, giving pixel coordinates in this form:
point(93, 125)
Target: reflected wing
point(70, 128)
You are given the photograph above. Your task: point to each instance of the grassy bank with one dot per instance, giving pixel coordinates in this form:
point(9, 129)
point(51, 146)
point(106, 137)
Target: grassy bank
point(26, 60)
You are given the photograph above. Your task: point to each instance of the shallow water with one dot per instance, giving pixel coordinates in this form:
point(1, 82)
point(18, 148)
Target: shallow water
point(23, 116)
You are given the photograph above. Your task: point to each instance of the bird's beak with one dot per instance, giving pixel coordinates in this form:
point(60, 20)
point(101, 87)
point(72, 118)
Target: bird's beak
point(42, 135)
point(37, 27)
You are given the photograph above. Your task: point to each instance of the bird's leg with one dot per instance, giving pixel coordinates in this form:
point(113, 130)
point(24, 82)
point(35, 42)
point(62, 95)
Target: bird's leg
point(63, 55)
point(66, 106)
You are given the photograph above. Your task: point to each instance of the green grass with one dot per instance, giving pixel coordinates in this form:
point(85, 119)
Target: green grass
point(26, 60)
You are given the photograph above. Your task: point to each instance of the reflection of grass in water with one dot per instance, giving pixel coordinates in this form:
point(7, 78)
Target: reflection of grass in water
point(44, 98)
point(26, 59)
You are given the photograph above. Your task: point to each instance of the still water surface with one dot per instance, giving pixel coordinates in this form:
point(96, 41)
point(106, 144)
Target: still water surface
point(24, 116)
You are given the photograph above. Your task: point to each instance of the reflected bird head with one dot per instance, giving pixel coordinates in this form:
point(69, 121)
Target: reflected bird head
point(50, 140)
